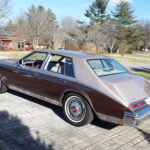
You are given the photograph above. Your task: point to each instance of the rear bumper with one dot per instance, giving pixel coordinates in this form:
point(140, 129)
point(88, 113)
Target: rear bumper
point(129, 119)
point(134, 119)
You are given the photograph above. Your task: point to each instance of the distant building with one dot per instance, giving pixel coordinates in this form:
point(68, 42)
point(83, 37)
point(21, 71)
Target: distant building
point(11, 41)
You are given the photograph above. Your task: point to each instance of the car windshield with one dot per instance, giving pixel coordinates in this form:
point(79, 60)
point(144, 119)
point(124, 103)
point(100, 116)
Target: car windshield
point(106, 67)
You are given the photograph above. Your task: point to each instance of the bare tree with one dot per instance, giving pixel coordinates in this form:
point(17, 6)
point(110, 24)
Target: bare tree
point(39, 24)
point(145, 28)
point(99, 38)
point(84, 34)
point(68, 23)
point(111, 31)
point(4, 8)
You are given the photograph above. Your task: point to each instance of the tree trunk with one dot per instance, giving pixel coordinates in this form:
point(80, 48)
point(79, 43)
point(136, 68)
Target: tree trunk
point(111, 50)
point(35, 44)
point(118, 51)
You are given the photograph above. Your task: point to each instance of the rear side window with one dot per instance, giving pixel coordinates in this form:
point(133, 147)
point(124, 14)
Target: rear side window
point(69, 68)
point(61, 65)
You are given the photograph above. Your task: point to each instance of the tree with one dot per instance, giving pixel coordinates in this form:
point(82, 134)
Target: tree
point(124, 14)
point(40, 24)
point(85, 34)
point(98, 16)
point(4, 8)
point(145, 29)
point(97, 11)
point(68, 23)
point(110, 28)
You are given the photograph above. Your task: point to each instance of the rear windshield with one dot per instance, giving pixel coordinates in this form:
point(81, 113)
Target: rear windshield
point(106, 67)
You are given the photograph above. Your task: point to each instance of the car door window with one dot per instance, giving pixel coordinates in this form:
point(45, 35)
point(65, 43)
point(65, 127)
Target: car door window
point(60, 64)
point(56, 64)
point(69, 71)
point(34, 60)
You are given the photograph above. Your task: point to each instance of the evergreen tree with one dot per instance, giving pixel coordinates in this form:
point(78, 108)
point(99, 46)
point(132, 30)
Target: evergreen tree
point(97, 11)
point(124, 14)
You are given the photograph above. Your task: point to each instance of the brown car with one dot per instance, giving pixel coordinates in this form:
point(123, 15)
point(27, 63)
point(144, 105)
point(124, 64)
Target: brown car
point(84, 85)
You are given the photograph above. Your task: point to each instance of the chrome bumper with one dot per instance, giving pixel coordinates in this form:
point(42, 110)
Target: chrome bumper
point(134, 119)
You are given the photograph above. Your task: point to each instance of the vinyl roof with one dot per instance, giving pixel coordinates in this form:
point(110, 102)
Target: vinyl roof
point(70, 53)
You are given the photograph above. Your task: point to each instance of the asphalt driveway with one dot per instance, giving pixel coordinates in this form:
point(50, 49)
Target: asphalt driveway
point(141, 67)
point(27, 123)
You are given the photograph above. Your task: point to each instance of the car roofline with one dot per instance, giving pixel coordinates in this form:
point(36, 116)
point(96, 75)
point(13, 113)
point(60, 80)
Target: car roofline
point(72, 54)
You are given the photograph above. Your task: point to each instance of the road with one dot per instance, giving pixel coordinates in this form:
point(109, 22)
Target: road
point(131, 66)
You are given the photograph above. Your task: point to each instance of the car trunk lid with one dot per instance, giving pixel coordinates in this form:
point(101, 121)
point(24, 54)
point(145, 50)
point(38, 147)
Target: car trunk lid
point(128, 87)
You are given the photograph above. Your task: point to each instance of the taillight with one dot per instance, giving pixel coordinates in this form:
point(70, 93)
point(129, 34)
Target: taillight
point(139, 104)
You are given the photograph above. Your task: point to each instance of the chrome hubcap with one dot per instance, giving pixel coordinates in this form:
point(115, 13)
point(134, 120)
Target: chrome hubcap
point(75, 109)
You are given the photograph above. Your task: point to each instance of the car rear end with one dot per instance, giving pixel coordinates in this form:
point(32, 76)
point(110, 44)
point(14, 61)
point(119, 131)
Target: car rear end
point(140, 112)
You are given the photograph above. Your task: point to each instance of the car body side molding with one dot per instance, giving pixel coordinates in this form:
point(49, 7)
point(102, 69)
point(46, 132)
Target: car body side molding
point(34, 95)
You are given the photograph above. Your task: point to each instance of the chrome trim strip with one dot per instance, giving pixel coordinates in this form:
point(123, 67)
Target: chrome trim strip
point(109, 118)
point(35, 95)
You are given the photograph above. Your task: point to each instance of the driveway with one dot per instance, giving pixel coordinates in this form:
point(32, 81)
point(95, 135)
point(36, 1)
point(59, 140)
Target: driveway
point(132, 66)
point(27, 123)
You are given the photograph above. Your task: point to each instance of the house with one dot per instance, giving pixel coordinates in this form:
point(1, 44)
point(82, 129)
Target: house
point(11, 41)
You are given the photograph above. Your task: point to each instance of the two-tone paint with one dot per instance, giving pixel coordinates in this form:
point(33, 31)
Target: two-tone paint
point(109, 96)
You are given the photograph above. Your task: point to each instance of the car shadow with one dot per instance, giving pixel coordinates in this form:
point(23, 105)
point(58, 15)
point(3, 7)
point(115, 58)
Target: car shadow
point(103, 124)
point(58, 110)
point(145, 134)
point(15, 135)
point(145, 70)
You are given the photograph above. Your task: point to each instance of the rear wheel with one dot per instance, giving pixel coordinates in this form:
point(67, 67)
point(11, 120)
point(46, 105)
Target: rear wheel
point(3, 87)
point(76, 109)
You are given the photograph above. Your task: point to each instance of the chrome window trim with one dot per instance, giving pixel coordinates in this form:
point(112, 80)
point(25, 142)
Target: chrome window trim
point(49, 59)
point(22, 66)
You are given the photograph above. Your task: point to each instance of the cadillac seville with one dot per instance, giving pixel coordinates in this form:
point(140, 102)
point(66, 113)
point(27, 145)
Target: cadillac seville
point(84, 85)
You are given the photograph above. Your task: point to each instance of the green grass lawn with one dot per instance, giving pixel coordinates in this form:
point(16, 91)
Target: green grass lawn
point(144, 52)
point(14, 54)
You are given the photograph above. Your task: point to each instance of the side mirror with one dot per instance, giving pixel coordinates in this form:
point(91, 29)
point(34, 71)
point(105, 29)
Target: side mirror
point(20, 61)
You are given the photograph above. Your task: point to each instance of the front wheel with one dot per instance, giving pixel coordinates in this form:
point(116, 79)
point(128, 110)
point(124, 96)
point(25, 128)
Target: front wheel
point(77, 111)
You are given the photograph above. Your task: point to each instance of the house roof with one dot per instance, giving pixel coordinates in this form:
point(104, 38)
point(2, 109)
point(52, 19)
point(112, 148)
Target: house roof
point(11, 36)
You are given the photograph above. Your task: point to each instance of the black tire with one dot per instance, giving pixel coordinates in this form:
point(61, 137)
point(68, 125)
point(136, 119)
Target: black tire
point(3, 87)
point(77, 110)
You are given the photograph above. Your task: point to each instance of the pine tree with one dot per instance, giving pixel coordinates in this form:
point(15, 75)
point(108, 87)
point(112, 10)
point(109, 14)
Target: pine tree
point(97, 11)
point(124, 14)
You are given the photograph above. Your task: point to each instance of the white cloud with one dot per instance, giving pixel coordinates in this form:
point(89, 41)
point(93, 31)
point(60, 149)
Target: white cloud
point(115, 2)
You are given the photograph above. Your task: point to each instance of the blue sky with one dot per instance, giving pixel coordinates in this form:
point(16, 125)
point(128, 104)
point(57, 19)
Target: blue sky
point(76, 8)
